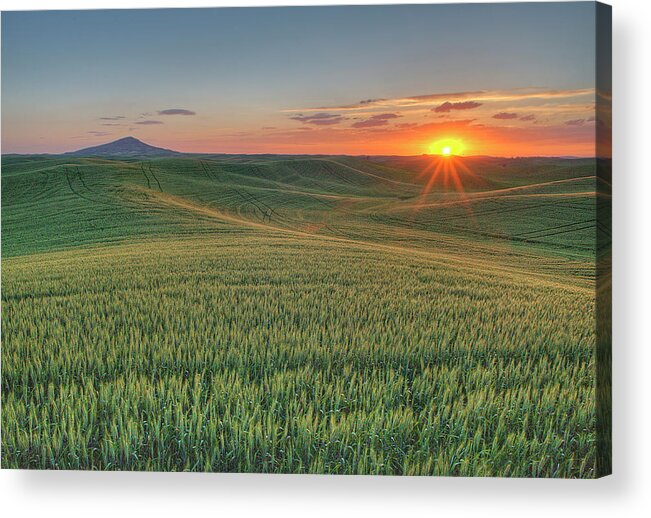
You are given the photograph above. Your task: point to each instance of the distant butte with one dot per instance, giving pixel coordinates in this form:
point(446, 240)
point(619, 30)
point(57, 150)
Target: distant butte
point(127, 146)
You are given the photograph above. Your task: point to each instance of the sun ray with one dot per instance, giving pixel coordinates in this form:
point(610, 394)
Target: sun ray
point(448, 170)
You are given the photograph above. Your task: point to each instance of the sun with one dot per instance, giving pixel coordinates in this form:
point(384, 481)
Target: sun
point(447, 147)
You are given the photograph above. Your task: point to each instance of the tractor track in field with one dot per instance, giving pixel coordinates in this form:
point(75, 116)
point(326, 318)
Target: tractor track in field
point(40, 188)
point(270, 210)
point(257, 203)
point(91, 191)
point(151, 172)
point(208, 171)
point(265, 213)
point(500, 194)
point(539, 184)
point(371, 175)
point(494, 210)
point(94, 196)
point(548, 229)
point(327, 204)
point(37, 187)
point(497, 211)
point(461, 261)
point(302, 223)
point(286, 188)
point(142, 168)
point(78, 194)
point(535, 238)
point(247, 201)
point(468, 201)
point(337, 174)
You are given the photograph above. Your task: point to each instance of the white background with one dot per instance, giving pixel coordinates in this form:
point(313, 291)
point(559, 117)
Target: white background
point(626, 493)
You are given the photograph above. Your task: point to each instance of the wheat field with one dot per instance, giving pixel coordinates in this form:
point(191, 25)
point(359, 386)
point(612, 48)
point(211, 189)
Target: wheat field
point(299, 315)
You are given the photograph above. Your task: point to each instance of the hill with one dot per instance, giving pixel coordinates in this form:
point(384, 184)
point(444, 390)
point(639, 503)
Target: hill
point(300, 314)
point(546, 206)
point(125, 147)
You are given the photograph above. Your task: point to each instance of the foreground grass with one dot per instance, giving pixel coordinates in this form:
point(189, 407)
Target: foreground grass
point(265, 352)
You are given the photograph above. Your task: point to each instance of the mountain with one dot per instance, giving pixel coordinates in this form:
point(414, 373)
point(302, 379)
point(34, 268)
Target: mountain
point(128, 146)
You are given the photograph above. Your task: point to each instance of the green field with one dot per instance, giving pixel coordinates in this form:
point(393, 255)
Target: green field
point(299, 315)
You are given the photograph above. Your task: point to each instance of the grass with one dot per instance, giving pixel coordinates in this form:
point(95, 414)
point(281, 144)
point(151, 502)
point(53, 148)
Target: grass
point(298, 315)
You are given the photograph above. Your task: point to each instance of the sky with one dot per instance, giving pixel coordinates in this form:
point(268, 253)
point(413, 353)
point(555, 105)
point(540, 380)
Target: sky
point(489, 79)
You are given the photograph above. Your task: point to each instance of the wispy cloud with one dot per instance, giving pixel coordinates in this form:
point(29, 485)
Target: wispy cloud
point(148, 122)
point(447, 106)
point(112, 118)
point(528, 117)
point(98, 133)
point(381, 119)
point(505, 116)
point(319, 119)
point(575, 122)
point(176, 111)
point(483, 96)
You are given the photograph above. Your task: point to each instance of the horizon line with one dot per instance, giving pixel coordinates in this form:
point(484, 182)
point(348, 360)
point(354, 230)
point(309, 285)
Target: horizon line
point(512, 157)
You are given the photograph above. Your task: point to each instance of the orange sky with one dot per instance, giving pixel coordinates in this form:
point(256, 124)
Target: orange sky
point(518, 122)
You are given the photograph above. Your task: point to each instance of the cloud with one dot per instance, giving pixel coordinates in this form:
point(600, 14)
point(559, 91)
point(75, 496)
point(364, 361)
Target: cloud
point(239, 134)
point(319, 119)
point(575, 122)
point(528, 118)
point(112, 118)
point(176, 111)
point(505, 116)
point(98, 133)
point(148, 122)
point(381, 119)
point(448, 106)
point(110, 124)
point(511, 95)
point(405, 125)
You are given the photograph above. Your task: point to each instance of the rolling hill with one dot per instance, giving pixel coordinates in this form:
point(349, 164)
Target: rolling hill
point(387, 315)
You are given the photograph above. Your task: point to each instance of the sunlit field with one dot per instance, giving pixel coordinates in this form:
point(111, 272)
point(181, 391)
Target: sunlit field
point(300, 315)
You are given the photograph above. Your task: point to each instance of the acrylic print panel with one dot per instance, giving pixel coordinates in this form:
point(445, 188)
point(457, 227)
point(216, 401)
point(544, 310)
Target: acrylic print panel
point(337, 240)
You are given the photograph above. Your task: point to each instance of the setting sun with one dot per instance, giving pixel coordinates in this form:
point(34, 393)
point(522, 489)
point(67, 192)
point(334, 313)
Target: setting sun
point(447, 147)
